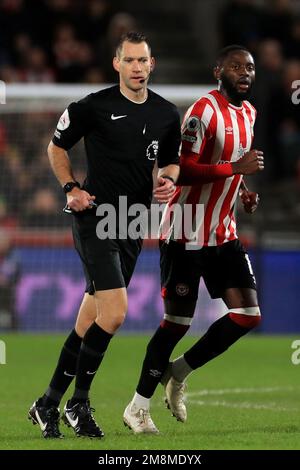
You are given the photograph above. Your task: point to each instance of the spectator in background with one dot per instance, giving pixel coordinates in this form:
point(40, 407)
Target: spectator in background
point(44, 210)
point(287, 114)
point(94, 75)
point(20, 51)
point(241, 23)
point(269, 71)
point(278, 20)
point(8, 220)
point(293, 49)
point(9, 272)
point(119, 25)
point(95, 19)
point(36, 69)
point(12, 174)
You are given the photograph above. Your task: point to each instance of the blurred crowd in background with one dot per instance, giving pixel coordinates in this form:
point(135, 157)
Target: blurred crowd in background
point(73, 41)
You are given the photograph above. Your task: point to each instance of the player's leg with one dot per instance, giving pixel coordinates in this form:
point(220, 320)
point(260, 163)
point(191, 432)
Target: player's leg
point(44, 411)
point(234, 269)
point(241, 318)
point(105, 262)
point(154, 369)
point(180, 283)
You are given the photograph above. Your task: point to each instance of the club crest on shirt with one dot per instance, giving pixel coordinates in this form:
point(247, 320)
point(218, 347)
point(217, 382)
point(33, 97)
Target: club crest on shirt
point(241, 152)
point(182, 289)
point(64, 121)
point(152, 150)
point(193, 124)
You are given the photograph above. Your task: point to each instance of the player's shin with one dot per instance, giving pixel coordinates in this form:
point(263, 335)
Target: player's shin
point(157, 356)
point(221, 335)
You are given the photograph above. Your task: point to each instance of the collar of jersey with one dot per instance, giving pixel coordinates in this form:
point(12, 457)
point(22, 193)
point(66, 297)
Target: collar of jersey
point(226, 102)
point(132, 101)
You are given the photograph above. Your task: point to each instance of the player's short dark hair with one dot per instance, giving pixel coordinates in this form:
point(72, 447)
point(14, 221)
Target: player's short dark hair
point(223, 53)
point(134, 37)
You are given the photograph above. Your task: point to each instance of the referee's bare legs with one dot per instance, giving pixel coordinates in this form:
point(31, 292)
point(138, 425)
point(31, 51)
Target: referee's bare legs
point(107, 308)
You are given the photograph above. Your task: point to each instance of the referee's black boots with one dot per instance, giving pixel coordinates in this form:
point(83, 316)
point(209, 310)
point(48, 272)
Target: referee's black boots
point(80, 418)
point(47, 418)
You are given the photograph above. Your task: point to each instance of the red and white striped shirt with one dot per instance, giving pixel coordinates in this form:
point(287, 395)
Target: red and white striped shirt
point(214, 133)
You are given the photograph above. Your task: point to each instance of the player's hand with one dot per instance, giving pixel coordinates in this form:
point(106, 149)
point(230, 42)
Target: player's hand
point(79, 200)
point(250, 163)
point(250, 200)
point(165, 190)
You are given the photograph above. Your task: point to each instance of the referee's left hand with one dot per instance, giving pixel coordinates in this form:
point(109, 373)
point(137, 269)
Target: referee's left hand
point(165, 190)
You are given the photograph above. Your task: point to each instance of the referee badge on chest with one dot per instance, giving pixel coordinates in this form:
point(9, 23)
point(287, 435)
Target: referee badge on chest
point(152, 150)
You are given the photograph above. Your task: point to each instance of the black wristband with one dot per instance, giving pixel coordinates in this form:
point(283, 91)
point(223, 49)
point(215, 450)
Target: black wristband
point(167, 177)
point(70, 185)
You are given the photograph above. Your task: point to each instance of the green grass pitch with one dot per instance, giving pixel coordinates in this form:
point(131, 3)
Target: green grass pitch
point(248, 398)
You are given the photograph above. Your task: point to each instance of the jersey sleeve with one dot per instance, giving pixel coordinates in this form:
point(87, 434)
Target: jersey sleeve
point(196, 128)
point(75, 122)
point(169, 148)
point(197, 134)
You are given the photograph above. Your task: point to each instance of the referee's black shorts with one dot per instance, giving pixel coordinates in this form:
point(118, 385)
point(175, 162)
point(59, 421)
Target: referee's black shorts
point(107, 264)
point(221, 267)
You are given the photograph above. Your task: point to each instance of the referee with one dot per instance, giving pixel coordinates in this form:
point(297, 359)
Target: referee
point(126, 128)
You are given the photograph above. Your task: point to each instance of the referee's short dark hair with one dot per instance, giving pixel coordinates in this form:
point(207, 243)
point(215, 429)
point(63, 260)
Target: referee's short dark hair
point(223, 53)
point(134, 37)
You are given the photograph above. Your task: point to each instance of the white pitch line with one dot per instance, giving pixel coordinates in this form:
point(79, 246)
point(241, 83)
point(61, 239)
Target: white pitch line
point(247, 405)
point(225, 391)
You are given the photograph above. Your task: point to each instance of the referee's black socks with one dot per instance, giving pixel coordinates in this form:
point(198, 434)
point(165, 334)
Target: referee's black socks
point(93, 347)
point(65, 370)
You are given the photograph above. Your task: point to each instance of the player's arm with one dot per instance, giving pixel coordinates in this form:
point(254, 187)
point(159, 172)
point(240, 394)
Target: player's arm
point(192, 172)
point(197, 131)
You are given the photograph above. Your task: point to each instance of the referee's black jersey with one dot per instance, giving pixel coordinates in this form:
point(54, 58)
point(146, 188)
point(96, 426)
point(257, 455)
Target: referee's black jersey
point(122, 141)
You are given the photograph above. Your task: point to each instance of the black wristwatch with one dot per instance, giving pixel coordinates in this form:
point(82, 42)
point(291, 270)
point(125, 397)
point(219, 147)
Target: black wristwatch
point(70, 185)
point(167, 177)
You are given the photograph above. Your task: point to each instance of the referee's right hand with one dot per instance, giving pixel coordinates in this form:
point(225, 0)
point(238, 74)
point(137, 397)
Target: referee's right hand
point(79, 200)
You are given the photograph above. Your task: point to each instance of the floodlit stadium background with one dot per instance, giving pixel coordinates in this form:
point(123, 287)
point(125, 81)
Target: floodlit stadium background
point(41, 281)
